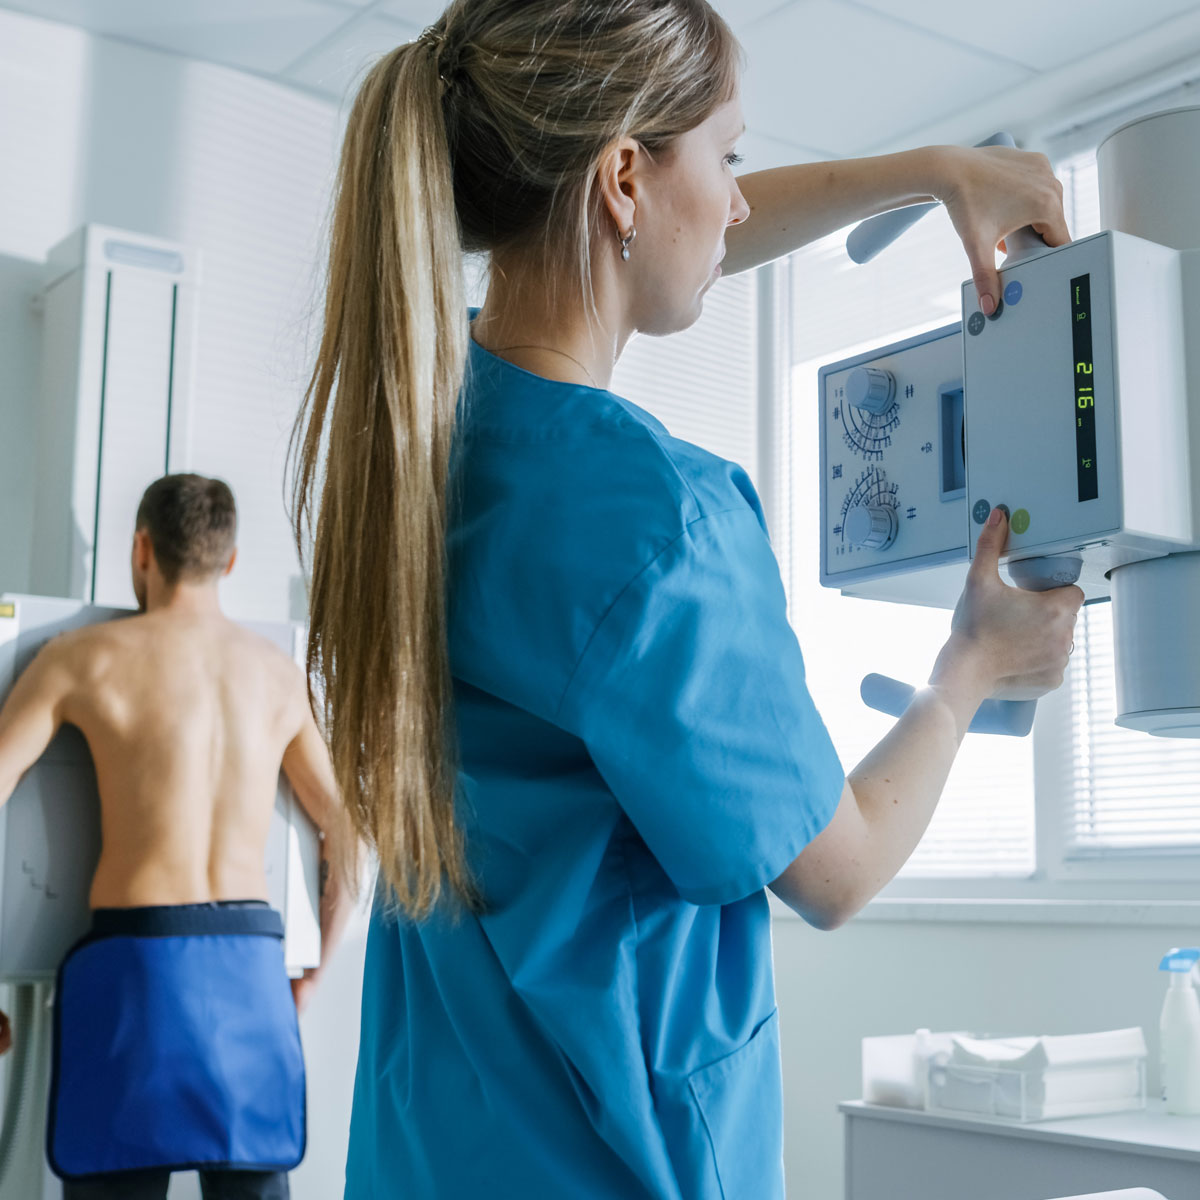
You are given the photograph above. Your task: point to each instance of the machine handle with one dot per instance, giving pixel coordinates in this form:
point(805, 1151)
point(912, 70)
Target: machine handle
point(1011, 717)
point(1014, 718)
point(876, 233)
point(1021, 243)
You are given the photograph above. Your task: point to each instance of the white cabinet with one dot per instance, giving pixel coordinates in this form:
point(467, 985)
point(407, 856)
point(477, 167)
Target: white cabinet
point(118, 342)
point(899, 1154)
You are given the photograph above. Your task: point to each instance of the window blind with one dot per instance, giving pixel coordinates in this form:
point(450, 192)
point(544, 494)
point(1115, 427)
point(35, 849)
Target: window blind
point(702, 384)
point(1131, 792)
point(984, 823)
point(251, 190)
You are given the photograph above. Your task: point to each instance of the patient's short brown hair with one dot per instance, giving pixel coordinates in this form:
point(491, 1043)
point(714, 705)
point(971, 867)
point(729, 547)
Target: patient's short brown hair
point(192, 523)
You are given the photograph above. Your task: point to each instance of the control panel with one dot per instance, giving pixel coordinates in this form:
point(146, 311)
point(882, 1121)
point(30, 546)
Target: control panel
point(1077, 405)
point(893, 472)
point(1067, 407)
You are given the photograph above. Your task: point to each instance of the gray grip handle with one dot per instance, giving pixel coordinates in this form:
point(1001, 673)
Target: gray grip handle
point(1021, 243)
point(1013, 718)
point(876, 233)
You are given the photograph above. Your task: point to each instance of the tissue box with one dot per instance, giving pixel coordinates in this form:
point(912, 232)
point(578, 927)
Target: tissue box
point(1039, 1079)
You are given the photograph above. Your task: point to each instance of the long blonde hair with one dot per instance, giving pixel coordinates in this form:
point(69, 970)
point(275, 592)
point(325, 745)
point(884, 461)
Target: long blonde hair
point(486, 133)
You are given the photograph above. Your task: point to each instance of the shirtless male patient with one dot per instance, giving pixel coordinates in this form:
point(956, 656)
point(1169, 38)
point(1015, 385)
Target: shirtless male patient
point(189, 718)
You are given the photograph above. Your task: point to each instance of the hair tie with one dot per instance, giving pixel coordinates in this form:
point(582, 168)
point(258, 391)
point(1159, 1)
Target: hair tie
point(433, 37)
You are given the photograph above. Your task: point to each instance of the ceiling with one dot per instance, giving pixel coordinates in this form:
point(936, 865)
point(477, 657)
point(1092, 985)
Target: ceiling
point(826, 78)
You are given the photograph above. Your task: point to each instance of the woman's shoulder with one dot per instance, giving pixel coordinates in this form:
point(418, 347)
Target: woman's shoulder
point(705, 484)
point(590, 446)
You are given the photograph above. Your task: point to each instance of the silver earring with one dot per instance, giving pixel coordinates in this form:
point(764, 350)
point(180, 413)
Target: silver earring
point(626, 240)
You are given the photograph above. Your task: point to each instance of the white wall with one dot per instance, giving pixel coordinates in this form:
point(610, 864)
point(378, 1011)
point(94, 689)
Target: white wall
point(94, 130)
point(879, 977)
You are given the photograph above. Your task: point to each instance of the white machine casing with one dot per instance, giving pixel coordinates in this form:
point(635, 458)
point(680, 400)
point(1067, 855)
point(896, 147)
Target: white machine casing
point(1149, 174)
point(119, 327)
point(1122, 510)
point(50, 828)
point(909, 459)
point(1017, 378)
point(1022, 410)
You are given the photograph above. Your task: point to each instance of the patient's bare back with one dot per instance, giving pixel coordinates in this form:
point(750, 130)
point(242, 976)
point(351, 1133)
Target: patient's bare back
point(187, 717)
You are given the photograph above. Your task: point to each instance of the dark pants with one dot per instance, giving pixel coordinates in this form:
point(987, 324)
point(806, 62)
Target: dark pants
point(152, 1185)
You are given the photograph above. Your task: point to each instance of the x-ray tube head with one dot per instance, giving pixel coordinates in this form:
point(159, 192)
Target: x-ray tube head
point(1150, 187)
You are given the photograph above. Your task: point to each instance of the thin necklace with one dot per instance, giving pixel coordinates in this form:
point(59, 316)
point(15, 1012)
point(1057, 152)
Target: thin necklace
point(551, 350)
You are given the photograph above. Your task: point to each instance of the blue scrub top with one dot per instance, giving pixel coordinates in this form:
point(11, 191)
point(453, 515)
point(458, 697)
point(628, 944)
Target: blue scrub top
point(639, 757)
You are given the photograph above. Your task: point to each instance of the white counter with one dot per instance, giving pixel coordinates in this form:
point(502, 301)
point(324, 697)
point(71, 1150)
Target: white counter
point(902, 1154)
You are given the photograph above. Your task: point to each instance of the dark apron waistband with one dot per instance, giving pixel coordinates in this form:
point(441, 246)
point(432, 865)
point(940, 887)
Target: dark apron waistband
point(184, 920)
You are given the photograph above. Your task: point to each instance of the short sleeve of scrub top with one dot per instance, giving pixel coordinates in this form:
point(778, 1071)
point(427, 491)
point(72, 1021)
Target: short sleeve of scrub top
point(692, 701)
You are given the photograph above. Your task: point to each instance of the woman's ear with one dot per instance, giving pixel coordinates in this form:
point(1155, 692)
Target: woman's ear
point(619, 178)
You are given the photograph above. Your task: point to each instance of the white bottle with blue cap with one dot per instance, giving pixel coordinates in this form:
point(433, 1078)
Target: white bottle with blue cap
point(1179, 1029)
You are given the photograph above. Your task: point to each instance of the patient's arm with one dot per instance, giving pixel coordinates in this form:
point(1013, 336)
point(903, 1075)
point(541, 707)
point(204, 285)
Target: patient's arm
point(32, 714)
point(308, 769)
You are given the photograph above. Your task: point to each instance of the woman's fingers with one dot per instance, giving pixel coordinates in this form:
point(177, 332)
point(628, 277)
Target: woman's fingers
point(995, 191)
point(1022, 639)
point(1054, 232)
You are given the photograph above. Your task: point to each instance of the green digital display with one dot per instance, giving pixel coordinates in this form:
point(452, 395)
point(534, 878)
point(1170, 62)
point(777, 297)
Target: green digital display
point(1085, 388)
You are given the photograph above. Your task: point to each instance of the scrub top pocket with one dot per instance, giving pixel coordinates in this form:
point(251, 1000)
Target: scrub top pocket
point(745, 1127)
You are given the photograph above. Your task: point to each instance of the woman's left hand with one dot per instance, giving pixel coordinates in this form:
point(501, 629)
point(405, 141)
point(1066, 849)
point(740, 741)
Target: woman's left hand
point(991, 191)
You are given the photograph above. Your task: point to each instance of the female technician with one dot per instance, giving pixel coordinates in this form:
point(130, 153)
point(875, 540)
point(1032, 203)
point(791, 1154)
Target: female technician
point(564, 701)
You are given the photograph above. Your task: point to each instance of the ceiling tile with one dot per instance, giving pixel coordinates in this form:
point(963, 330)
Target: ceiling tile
point(742, 13)
point(257, 35)
point(339, 64)
point(843, 79)
point(1039, 34)
point(415, 12)
point(739, 13)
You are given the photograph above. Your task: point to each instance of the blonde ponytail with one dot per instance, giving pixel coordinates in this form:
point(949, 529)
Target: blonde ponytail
point(484, 134)
point(394, 347)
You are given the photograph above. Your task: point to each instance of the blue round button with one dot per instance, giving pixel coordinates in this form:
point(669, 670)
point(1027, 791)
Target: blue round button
point(981, 511)
point(1013, 292)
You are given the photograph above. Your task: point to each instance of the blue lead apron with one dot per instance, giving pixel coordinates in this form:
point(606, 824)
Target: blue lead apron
point(176, 1045)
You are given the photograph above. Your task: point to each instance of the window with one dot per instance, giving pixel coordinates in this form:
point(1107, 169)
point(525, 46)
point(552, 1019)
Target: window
point(1131, 794)
point(1117, 813)
point(984, 825)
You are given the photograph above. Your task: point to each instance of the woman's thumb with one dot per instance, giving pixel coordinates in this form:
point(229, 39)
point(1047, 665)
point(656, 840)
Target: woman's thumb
point(989, 547)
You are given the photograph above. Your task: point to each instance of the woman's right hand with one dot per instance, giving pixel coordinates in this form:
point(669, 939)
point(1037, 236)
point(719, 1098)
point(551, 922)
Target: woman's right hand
point(1015, 644)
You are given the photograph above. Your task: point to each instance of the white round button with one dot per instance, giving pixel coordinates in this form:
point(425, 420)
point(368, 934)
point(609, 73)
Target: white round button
point(872, 389)
point(871, 527)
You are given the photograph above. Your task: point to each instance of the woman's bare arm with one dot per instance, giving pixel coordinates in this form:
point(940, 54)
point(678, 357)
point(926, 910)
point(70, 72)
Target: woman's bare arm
point(1003, 641)
point(988, 192)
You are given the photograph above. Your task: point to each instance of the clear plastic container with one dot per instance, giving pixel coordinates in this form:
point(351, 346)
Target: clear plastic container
point(895, 1069)
point(1041, 1095)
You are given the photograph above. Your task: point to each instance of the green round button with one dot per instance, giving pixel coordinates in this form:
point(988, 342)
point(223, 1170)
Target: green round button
point(1020, 521)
